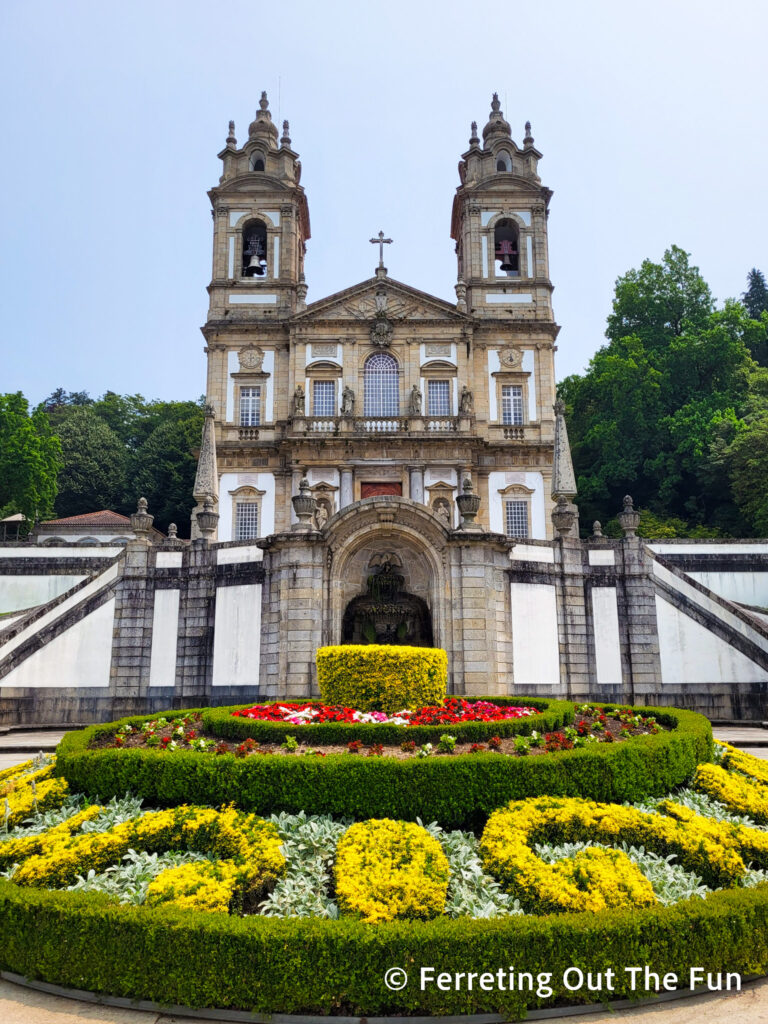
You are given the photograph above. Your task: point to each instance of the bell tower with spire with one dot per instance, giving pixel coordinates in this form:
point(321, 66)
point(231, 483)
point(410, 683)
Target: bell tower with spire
point(260, 226)
point(499, 224)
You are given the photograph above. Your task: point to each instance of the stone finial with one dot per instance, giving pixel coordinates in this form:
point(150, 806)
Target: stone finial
point(597, 528)
point(262, 126)
point(207, 476)
point(468, 504)
point(629, 519)
point(285, 141)
point(528, 140)
point(473, 138)
point(305, 507)
point(461, 296)
point(231, 140)
point(172, 531)
point(207, 521)
point(497, 128)
point(141, 520)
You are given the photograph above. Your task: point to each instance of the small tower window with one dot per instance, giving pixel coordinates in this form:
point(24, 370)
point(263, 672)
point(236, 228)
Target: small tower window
point(503, 161)
point(257, 162)
point(254, 249)
point(507, 247)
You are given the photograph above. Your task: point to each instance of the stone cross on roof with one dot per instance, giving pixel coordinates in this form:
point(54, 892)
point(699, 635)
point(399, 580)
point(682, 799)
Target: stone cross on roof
point(381, 241)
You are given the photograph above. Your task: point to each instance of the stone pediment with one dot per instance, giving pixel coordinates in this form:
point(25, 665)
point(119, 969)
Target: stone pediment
point(383, 298)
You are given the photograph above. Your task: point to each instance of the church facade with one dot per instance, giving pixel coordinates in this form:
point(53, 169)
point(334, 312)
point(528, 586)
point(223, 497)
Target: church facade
point(381, 466)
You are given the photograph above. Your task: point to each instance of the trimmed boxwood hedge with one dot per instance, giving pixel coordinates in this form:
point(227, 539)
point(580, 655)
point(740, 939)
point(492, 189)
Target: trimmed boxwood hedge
point(458, 791)
point(305, 965)
point(553, 715)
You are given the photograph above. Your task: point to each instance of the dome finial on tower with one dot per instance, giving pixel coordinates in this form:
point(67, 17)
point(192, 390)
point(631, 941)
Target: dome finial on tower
point(262, 128)
point(285, 141)
point(497, 127)
point(473, 139)
point(528, 140)
point(231, 140)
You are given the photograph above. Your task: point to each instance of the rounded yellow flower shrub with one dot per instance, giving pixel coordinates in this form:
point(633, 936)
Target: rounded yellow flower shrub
point(716, 851)
point(29, 791)
point(738, 794)
point(386, 870)
point(380, 677)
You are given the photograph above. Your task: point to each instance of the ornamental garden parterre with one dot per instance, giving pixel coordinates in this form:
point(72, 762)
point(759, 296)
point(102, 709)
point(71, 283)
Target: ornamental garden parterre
point(281, 858)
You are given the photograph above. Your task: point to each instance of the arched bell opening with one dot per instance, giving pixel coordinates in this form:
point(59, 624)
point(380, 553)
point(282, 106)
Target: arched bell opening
point(507, 247)
point(254, 249)
point(386, 613)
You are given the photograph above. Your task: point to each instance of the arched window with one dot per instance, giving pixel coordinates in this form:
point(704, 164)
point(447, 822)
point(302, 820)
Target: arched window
point(254, 249)
point(257, 162)
point(381, 386)
point(503, 161)
point(506, 247)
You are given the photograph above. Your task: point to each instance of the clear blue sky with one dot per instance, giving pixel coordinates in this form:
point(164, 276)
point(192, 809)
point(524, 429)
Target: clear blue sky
point(651, 118)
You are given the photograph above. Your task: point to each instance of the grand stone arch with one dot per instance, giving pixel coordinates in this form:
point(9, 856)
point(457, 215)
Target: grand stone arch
point(368, 531)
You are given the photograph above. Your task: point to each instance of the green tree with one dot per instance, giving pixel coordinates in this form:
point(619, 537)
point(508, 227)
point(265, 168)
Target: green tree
point(30, 458)
point(94, 472)
point(164, 469)
point(756, 296)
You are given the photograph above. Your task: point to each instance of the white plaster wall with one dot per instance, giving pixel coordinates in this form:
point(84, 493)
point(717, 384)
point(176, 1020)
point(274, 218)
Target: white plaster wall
point(169, 559)
point(529, 366)
point(237, 636)
point(262, 482)
point(103, 579)
point(704, 547)
point(63, 551)
point(494, 365)
point(690, 653)
point(743, 587)
point(268, 366)
point(165, 635)
point(532, 553)
point(535, 640)
point(437, 359)
point(78, 657)
point(709, 604)
point(498, 481)
point(232, 367)
point(605, 616)
point(602, 556)
point(241, 553)
point(118, 537)
point(20, 592)
point(311, 355)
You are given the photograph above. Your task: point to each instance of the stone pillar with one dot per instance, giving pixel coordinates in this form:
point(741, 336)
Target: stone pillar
point(347, 490)
point(416, 484)
point(194, 654)
point(572, 615)
point(638, 612)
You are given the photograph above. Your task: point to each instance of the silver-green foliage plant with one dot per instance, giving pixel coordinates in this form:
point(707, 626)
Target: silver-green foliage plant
point(471, 893)
point(701, 804)
point(128, 881)
point(309, 847)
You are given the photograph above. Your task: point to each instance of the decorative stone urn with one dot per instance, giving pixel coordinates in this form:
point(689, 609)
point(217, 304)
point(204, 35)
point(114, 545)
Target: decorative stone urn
point(468, 503)
point(629, 519)
point(305, 506)
point(564, 516)
point(141, 520)
point(207, 521)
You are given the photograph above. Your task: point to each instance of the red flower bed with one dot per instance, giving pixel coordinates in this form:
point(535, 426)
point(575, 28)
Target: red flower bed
point(451, 711)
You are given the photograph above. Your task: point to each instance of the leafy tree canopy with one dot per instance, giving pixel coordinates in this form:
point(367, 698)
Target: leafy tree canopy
point(30, 458)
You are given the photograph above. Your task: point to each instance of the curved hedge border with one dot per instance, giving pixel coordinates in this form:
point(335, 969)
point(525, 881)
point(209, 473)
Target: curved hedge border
point(459, 791)
point(553, 715)
point(295, 965)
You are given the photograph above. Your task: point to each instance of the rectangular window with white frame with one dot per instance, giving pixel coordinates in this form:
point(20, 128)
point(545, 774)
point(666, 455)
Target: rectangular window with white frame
point(246, 520)
point(512, 404)
point(250, 407)
point(324, 398)
point(439, 397)
point(516, 518)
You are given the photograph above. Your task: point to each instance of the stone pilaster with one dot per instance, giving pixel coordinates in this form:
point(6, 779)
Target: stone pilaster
point(637, 619)
point(194, 653)
point(572, 619)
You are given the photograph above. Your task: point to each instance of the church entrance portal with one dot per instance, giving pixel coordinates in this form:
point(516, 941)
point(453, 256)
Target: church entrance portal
point(386, 614)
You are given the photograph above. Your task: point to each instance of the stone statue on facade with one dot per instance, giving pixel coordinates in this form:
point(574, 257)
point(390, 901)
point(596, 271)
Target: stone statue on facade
point(414, 402)
point(442, 512)
point(321, 516)
point(347, 401)
point(298, 401)
point(466, 402)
